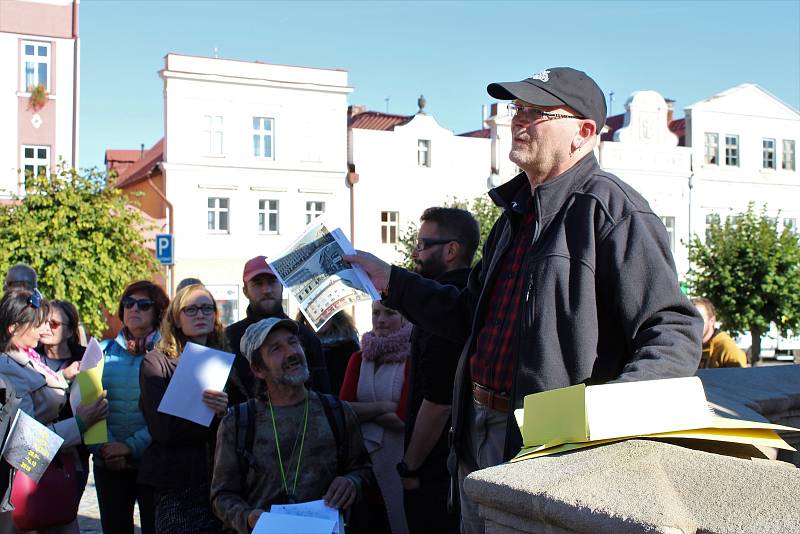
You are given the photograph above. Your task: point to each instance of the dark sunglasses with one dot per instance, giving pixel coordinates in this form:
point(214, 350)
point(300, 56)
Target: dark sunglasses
point(55, 325)
point(35, 300)
point(424, 242)
point(143, 304)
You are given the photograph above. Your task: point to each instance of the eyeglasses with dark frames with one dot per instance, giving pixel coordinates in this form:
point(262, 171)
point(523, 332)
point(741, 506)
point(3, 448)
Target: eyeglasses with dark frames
point(531, 114)
point(143, 304)
point(35, 300)
point(428, 242)
point(205, 309)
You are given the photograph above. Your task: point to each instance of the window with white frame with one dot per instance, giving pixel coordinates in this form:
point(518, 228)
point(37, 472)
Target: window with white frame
point(669, 224)
point(732, 150)
point(314, 208)
point(788, 155)
point(768, 153)
point(35, 160)
point(218, 211)
point(212, 134)
point(424, 153)
point(263, 137)
point(35, 65)
point(390, 226)
point(712, 149)
point(268, 216)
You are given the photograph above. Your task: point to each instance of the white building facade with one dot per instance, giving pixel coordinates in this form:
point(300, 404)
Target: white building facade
point(39, 50)
point(744, 149)
point(253, 152)
point(405, 164)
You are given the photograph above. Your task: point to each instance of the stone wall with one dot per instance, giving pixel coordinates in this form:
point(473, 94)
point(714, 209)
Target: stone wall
point(648, 486)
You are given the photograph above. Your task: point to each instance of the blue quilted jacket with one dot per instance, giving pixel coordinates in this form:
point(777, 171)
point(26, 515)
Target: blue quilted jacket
point(126, 423)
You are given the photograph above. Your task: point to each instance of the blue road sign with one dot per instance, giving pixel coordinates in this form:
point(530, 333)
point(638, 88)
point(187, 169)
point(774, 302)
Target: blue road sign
point(164, 249)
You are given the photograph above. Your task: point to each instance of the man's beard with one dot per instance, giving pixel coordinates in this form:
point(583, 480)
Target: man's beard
point(268, 308)
point(294, 380)
point(430, 268)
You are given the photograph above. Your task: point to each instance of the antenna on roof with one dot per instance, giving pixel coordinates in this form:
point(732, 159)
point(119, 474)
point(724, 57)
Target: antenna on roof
point(216, 53)
point(387, 103)
point(611, 103)
point(141, 151)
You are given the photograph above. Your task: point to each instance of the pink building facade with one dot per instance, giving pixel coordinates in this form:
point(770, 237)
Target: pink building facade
point(39, 57)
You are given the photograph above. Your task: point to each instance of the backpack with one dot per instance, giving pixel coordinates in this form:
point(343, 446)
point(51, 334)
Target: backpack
point(246, 432)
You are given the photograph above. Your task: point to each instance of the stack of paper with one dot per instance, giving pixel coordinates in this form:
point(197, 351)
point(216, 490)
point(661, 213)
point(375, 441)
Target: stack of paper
point(87, 387)
point(671, 409)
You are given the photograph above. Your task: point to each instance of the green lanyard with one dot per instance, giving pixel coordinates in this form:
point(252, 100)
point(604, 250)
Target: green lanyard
point(278, 447)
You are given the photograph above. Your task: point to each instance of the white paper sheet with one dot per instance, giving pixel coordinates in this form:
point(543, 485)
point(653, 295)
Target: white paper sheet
point(199, 368)
point(317, 509)
point(272, 523)
point(92, 357)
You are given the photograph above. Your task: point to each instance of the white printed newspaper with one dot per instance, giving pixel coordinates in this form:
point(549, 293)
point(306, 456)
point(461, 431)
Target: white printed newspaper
point(316, 275)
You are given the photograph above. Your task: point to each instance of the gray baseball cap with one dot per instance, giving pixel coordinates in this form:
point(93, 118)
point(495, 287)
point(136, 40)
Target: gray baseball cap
point(257, 333)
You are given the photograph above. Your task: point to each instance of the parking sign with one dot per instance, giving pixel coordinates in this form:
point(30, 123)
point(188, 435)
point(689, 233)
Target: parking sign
point(164, 249)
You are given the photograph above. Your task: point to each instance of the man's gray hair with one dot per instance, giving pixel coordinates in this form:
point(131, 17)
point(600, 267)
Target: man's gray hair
point(257, 333)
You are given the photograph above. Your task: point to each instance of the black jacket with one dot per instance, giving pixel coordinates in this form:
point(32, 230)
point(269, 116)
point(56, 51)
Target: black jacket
point(242, 384)
point(433, 365)
point(601, 299)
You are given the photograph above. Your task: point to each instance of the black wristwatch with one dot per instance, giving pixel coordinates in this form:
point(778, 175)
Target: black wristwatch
point(404, 471)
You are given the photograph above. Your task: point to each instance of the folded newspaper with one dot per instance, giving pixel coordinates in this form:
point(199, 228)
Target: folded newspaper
point(673, 409)
point(316, 275)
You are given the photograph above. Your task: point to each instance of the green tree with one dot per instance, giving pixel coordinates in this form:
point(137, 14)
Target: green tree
point(482, 208)
point(750, 269)
point(81, 235)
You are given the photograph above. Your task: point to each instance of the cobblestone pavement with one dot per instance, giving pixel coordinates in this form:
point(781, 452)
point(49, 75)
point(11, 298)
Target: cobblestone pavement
point(89, 513)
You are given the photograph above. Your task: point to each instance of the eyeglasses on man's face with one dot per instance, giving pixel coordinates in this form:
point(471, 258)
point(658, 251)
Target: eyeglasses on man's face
point(428, 242)
point(205, 309)
point(532, 114)
point(143, 304)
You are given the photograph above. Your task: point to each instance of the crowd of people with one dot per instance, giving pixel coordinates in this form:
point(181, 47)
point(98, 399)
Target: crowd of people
point(576, 285)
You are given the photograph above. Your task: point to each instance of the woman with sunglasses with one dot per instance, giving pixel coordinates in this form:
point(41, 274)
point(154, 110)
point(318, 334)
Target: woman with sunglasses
point(61, 350)
point(116, 463)
point(43, 392)
point(178, 462)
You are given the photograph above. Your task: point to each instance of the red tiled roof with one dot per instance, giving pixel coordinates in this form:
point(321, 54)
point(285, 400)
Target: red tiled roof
point(122, 155)
point(375, 120)
point(141, 169)
point(484, 133)
point(615, 122)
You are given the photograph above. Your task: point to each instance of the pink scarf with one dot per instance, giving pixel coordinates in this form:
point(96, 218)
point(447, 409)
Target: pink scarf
point(40, 365)
point(393, 348)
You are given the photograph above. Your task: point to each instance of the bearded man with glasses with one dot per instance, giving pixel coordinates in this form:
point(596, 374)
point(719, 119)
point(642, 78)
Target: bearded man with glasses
point(577, 283)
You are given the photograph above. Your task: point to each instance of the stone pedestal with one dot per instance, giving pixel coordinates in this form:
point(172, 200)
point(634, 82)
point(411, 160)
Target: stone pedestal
point(648, 486)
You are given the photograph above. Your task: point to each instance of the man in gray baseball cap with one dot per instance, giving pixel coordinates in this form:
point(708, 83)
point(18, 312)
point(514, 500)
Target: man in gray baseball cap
point(280, 449)
point(577, 283)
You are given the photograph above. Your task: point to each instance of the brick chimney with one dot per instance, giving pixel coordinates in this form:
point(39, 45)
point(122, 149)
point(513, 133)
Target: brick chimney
point(354, 110)
point(670, 110)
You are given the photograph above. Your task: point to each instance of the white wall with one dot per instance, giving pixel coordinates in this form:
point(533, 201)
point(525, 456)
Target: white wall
point(753, 114)
point(309, 108)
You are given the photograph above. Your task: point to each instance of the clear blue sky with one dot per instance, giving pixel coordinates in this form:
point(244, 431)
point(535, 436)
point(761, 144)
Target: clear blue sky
point(448, 51)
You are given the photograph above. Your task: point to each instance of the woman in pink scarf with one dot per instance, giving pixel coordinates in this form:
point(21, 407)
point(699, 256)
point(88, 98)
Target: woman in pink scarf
point(376, 387)
point(43, 392)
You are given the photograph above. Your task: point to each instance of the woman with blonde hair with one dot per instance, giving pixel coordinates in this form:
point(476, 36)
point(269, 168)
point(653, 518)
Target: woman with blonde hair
point(178, 461)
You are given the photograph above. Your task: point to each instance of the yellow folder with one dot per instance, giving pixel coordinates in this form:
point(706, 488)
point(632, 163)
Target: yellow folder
point(91, 384)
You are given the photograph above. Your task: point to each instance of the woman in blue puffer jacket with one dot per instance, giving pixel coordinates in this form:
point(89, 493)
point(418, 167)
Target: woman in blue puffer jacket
point(116, 462)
